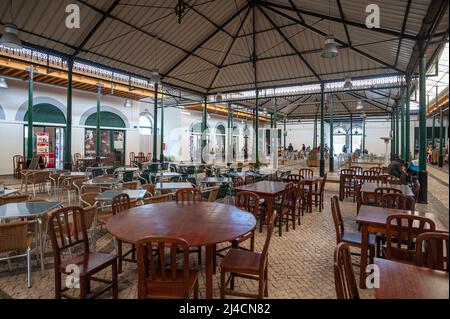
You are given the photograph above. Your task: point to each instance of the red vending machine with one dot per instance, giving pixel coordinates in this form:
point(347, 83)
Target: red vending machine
point(42, 146)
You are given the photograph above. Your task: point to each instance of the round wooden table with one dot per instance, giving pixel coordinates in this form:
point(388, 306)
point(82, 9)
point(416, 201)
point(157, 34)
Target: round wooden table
point(200, 224)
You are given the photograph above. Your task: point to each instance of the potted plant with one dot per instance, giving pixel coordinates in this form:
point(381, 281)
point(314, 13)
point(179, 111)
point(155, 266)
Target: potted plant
point(312, 160)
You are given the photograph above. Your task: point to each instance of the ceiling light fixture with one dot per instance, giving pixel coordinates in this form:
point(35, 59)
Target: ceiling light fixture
point(348, 83)
point(10, 38)
point(330, 49)
point(219, 97)
point(360, 105)
point(128, 103)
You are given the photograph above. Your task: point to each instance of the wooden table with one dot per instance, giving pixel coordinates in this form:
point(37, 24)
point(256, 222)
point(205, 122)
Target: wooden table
point(372, 219)
point(200, 224)
point(310, 181)
point(172, 186)
point(403, 281)
point(368, 190)
point(268, 190)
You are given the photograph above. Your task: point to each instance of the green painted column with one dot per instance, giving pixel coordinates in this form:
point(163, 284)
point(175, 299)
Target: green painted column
point(98, 136)
point(423, 178)
point(161, 150)
point(392, 135)
point(315, 132)
point(155, 126)
point(408, 124)
point(351, 133)
point(257, 129)
point(397, 131)
point(30, 115)
point(364, 135)
point(68, 136)
point(441, 136)
point(322, 132)
point(284, 133)
point(331, 168)
point(204, 126)
point(229, 138)
point(402, 127)
point(433, 128)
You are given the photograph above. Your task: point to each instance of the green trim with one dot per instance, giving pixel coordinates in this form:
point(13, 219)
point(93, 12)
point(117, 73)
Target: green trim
point(107, 119)
point(46, 113)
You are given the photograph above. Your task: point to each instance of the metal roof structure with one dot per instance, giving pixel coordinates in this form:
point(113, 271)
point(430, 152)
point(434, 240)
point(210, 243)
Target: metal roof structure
point(225, 46)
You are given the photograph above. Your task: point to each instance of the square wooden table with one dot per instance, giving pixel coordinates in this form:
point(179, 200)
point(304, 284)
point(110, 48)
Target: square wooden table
point(172, 186)
point(372, 219)
point(403, 281)
point(268, 190)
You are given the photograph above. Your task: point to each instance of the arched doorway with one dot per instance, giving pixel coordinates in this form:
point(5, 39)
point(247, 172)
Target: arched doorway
point(339, 139)
point(49, 124)
point(112, 135)
point(219, 149)
point(195, 141)
point(357, 138)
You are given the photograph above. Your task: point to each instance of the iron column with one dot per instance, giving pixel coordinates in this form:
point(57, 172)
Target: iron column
point(402, 127)
point(30, 115)
point(204, 125)
point(322, 132)
point(161, 151)
point(423, 178)
point(408, 124)
point(155, 127)
point(68, 136)
point(441, 136)
point(98, 137)
point(331, 169)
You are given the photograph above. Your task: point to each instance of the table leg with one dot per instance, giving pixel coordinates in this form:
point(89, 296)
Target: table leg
point(209, 271)
point(363, 261)
point(41, 243)
point(341, 187)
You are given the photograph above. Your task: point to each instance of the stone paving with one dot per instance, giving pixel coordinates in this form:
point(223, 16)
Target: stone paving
point(300, 262)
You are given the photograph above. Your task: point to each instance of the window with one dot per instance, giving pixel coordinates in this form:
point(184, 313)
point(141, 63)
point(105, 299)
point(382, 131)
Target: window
point(146, 124)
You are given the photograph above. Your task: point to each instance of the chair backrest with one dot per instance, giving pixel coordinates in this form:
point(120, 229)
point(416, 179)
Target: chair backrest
point(249, 179)
point(67, 228)
point(378, 170)
point(399, 201)
point(344, 277)
point(150, 188)
point(288, 195)
point(88, 199)
point(265, 252)
point(165, 273)
point(212, 193)
point(238, 181)
point(148, 158)
point(157, 199)
point(130, 185)
point(39, 177)
point(141, 154)
point(347, 171)
point(120, 203)
point(389, 179)
point(432, 250)
point(249, 202)
point(306, 172)
point(370, 176)
point(357, 169)
point(13, 236)
point(14, 199)
point(188, 195)
point(293, 178)
point(401, 232)
point(337, 218)
point(380, 191)
point(132, 157)
point(90, 189)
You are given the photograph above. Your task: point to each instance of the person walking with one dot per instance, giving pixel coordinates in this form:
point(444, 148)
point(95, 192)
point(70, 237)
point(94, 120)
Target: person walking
point(290, 151)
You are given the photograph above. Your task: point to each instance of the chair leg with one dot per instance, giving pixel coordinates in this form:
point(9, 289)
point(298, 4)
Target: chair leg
point(196, 290)
point(232, 281)
point(222, 284)
point(266, 290)
point(83, 287)
point(199, 255)
point(119, 254)
point(115, 288)
point(29, 267)
point(57, 284)
point(261, 287)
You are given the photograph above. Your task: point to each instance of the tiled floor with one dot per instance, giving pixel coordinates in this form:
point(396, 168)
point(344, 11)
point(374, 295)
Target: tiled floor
point(301, 261)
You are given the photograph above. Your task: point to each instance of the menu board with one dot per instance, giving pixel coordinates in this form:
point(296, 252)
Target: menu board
point(42, 145)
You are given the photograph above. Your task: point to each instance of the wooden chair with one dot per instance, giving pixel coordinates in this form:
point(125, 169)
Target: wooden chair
point(249, 265)
point(14, 237)
point(67, 228)
point(156, 199)
point(398, 201)
point(432, 250)
point(302, 199)
point(349, 182)
point(88, 199)
point(132, 158)
point(380, 191)
point(188, 195)
point(344, 277)
point(285, 209)
point(150, 188)
point(352, 239)
point(238, 181)
point(318, 194)
point(91, 189)
point(370, 176)
point(306, 172)
point(378, 170)
point(38, 178)
point(166, 280)
point(14, 199)
point(357, 169)
point(17, 166)
point(148, 158)
point(401, 232)
point(294, 178)
point(249, 180)
point(389, 179)
point(211, 193)
point(130, 185)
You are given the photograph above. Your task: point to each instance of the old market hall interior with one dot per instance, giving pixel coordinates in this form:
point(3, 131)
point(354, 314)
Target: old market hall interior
point(224, 148)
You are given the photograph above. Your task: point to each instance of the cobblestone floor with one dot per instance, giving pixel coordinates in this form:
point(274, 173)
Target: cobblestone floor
point(300, 262)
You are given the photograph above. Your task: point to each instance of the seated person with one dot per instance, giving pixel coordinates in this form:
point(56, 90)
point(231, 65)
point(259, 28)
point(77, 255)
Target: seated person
point(396, 167)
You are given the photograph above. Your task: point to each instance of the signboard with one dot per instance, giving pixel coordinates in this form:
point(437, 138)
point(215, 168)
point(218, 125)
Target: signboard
point(42, 145)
